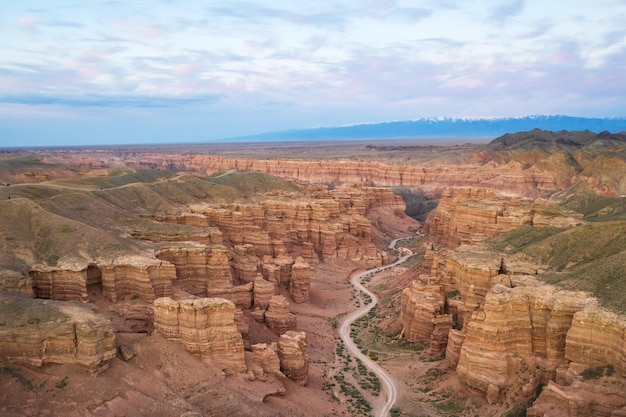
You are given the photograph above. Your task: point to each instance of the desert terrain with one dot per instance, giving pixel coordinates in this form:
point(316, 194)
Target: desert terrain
point(214, 279)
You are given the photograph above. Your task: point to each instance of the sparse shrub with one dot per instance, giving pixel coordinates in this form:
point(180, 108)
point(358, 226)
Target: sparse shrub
point(395, 412)
point(598, 371)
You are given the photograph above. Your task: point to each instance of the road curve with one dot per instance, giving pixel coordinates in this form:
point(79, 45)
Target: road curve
point(389, 387)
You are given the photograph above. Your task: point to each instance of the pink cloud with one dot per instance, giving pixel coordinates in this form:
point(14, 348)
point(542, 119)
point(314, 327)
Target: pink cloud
point(29, 23)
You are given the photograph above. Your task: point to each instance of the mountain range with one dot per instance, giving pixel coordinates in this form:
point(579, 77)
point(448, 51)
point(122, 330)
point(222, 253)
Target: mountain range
point(443, 127)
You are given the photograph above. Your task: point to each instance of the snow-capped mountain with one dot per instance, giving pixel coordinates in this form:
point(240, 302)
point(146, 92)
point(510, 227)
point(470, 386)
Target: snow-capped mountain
point(445, 127)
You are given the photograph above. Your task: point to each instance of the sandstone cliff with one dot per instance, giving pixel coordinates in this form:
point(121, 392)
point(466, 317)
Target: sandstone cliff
point(206, 272)
point(143, 277)
point(469, 215)
point(294, 356)
point(204, 326)
point(422, 316)
point(431, 177)
point(38, 332)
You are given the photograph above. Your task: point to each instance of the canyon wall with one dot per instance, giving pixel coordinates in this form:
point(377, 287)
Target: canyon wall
point(432, 177)
point(133, 276)
point(470, 215)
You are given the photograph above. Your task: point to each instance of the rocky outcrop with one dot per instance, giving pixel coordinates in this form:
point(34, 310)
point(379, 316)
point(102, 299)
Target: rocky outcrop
point(300, 281)
point(335, 228)
point(516, 325)
point(597, 337)
point(37, 332)
point(263, 292)
point(68, 284)
point(294, 356)
point(205, 327)
point(278, 317)
point(601, 398)
point(138, 276)
point(265, 361)
point(146, 278)
point(469, 215)
point(245, 263)
point(422, 316)
point(206, 272)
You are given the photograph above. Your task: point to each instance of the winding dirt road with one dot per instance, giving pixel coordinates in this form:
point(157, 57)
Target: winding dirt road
point(388, 385)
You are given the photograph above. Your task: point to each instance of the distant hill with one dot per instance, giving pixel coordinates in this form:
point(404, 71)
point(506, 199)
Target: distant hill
point(443, 127)
point(558, 141)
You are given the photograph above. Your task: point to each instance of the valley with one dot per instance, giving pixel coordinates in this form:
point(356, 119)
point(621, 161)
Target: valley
point(222, 279)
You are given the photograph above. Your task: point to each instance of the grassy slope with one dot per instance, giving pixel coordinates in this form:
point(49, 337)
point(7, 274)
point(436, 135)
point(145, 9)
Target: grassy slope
point(93, 217)
point(590, 257)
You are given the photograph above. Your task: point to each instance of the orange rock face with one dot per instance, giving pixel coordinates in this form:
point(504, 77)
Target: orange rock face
point(204, 326)
point(372, 173)
point(597, 337)
point(422, 316)
point(143, 277)
point(335, 227)
point(469, 215)
point(529, 321)
point(38, 332)
point(278, 317)
point(300, 281)
point(294, 356)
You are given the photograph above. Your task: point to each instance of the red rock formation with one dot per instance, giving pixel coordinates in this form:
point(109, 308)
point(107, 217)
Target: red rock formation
point(68, 284)
point(278, 317)
point(146, 278)
point(300, 281)
point(603, 398)
point(265, 360)
point(373, 173)
point(422, 316)
point(336, 228)
point(469, 215)
point(294, 356)
point(206, 272)
point(597, 337)
point(263, 292)
point(245, 263)
point(37, 332)
point(515, 326)
point(143, 277)
point(206, 327)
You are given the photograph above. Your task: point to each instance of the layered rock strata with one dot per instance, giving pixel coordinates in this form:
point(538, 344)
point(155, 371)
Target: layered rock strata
point(38, 332)
point(294, 356)
point(600, 398)
point(469, 215)
point(597, 337)
point(146, 278)
point(373, 173)
point(263, 292)
point(206, 272)
point(142, 277)
point(335, 229)
point(422, 316)
point(278, 317)
point(265, 360)
point(516, 325)
point(204, 326)
point(300, 282)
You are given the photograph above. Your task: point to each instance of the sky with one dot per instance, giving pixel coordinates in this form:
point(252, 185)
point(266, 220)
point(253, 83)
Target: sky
point(154, 71)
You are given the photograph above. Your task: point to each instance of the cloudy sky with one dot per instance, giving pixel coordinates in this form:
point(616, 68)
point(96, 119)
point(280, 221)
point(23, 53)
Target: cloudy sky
point(164, 71)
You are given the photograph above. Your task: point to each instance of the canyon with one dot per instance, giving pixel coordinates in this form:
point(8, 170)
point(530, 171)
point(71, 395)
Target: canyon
point(237, 262)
